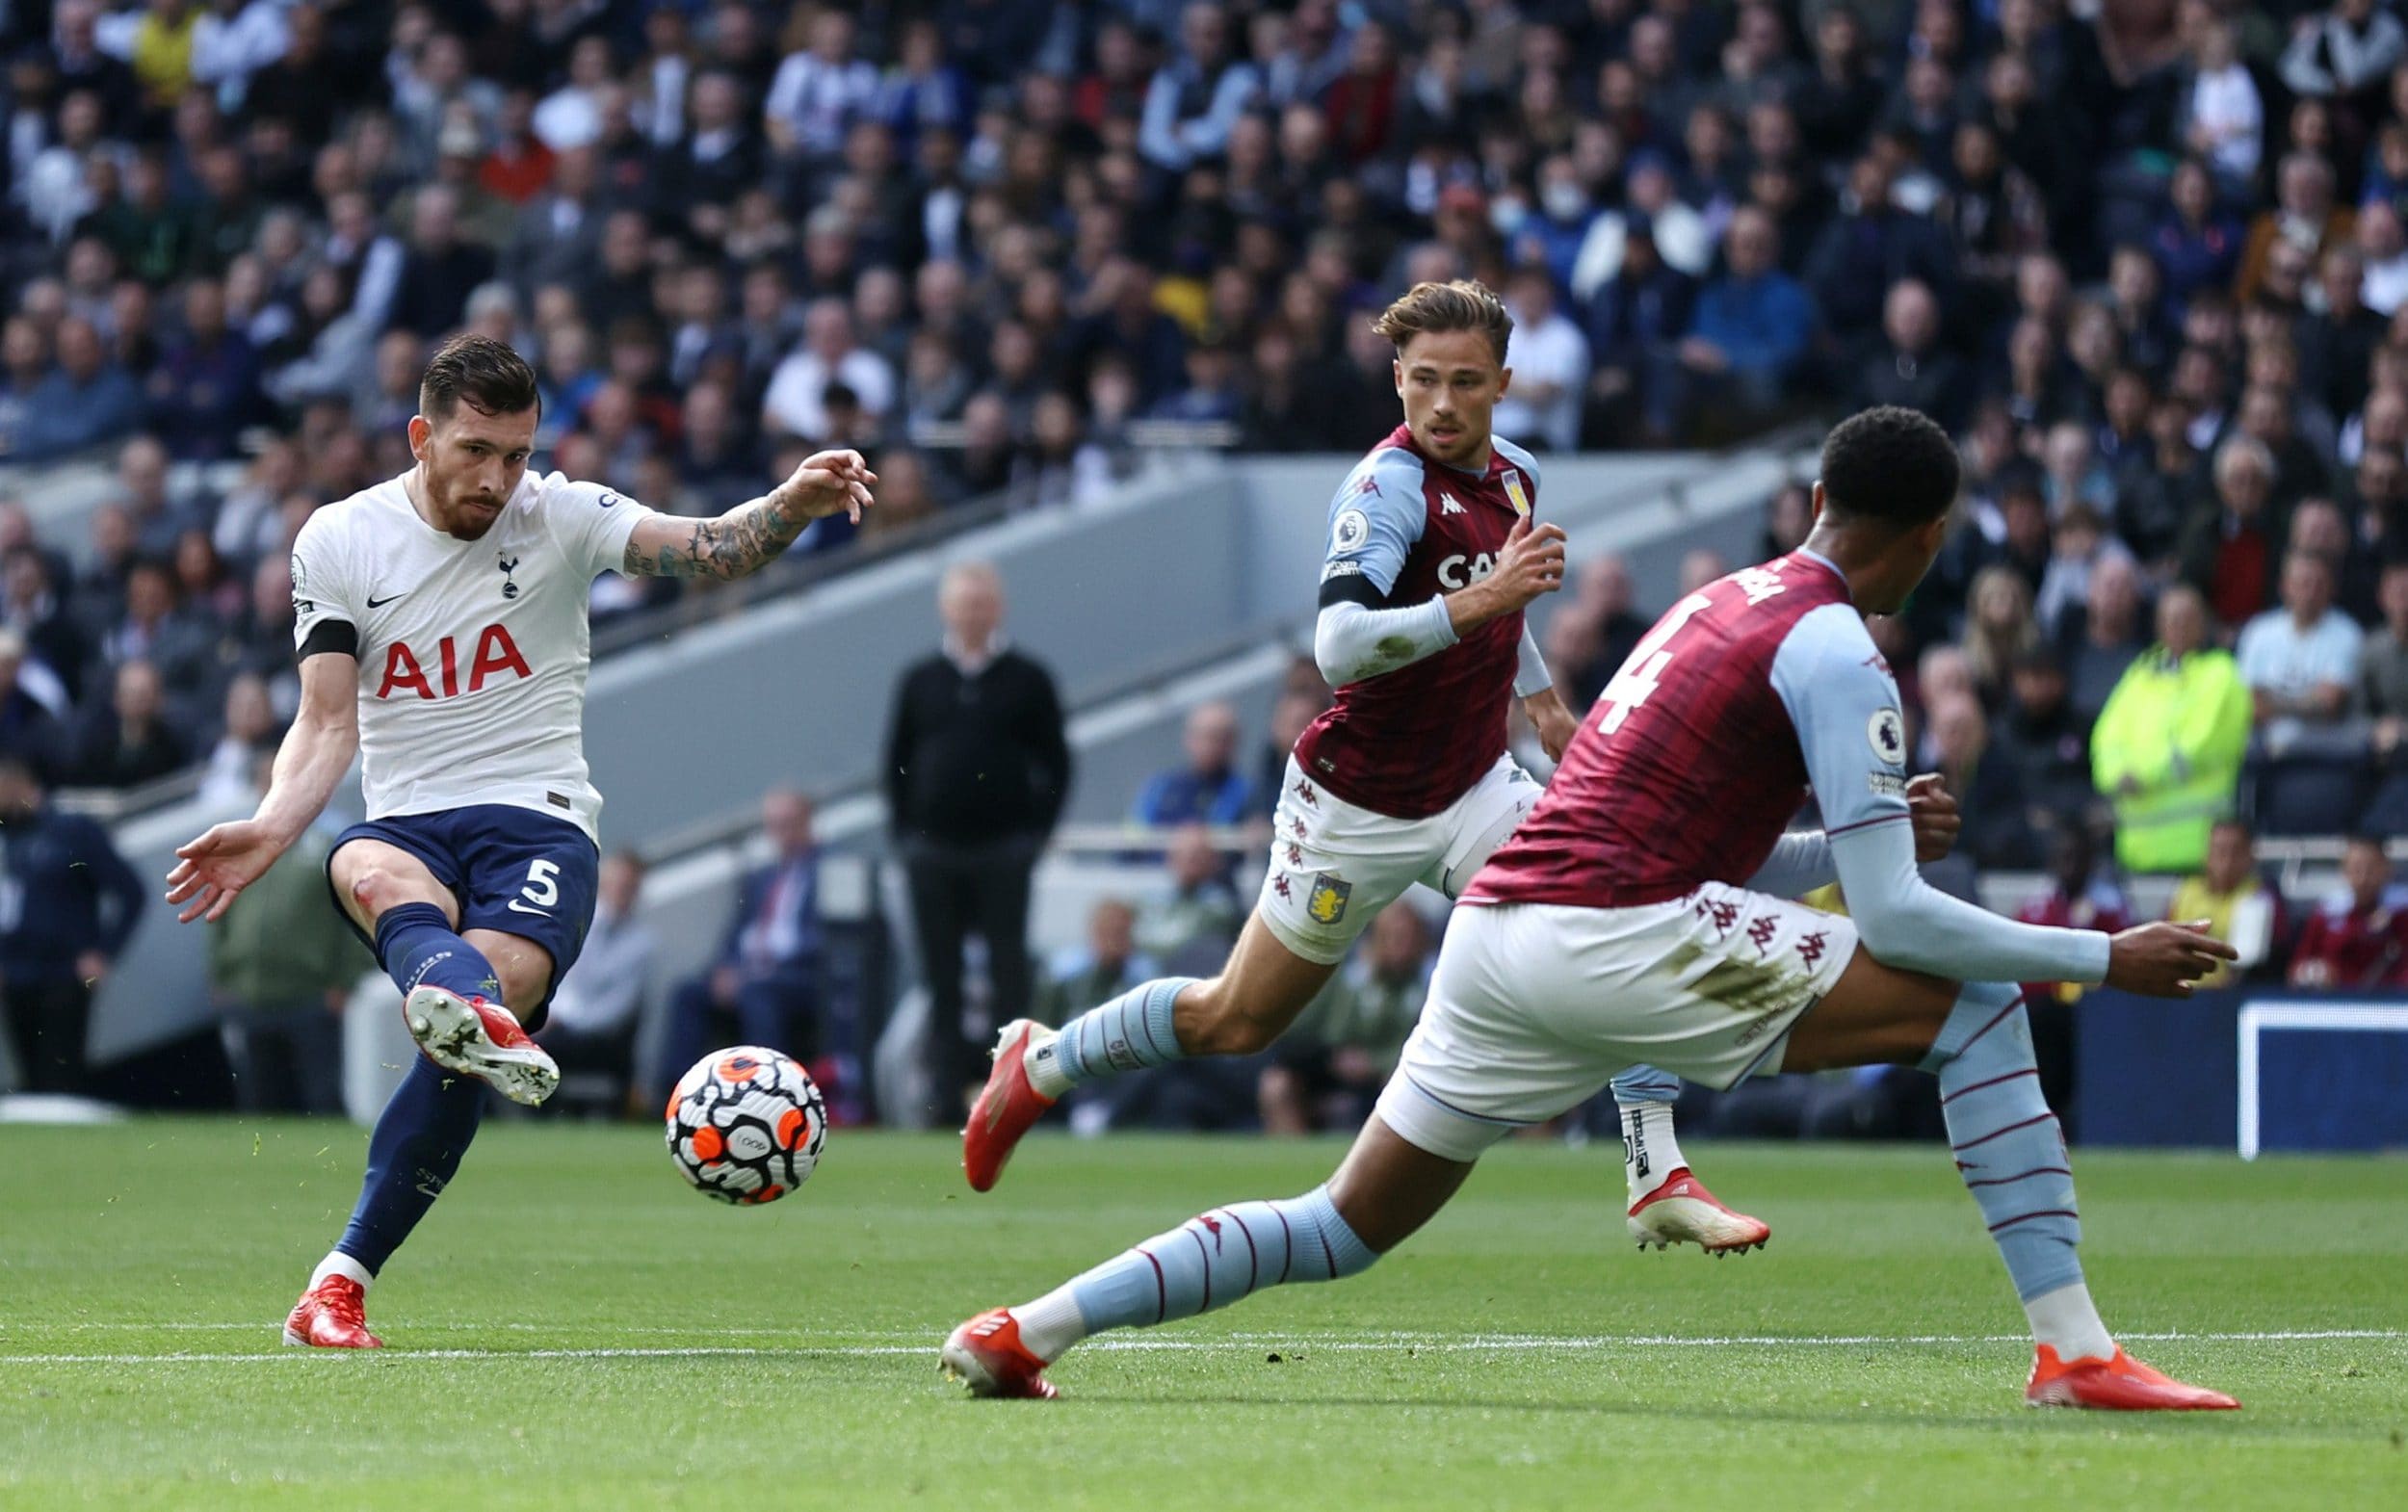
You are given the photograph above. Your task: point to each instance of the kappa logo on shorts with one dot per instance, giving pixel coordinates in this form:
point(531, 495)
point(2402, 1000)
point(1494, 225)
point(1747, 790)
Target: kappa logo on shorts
point(1304, 791)
point(1762, 930)
point(1279, 885)
point(1327, 902)
point(1811, 947)
point(1296, 853)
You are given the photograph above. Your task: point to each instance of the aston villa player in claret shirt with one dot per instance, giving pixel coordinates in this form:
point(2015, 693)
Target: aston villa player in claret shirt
point(1433, 551)
point(1645, 910)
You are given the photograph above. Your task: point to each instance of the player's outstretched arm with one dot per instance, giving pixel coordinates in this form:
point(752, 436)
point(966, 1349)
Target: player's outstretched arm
point(212, 870)
point(741, 540)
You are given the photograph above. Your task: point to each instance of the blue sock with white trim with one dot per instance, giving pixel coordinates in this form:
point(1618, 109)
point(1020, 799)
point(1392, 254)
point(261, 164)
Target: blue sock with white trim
point(2011, 1155)
point(412, 1156)
point(416, 944)
point(1128, 1033)
point(1208, 1262)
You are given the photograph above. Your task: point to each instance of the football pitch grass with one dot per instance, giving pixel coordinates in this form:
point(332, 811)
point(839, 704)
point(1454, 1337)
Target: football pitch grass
point(575, 1328)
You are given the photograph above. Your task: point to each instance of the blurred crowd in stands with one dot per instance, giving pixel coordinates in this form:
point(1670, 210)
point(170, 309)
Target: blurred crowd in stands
point(2146, 258)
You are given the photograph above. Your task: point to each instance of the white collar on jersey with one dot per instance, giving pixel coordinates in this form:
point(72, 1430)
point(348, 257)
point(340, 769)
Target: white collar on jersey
point(1815, 556)
point(972, 665)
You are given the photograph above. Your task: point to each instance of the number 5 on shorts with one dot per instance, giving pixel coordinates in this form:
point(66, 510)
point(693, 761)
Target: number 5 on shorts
point(543, 886)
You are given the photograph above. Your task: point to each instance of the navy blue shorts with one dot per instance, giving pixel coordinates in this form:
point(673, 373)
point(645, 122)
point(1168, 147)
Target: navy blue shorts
point(509, 869)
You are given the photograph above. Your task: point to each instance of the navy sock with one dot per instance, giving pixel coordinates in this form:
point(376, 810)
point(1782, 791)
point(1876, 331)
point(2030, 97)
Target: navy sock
point(416, 944)
point(414, 1151)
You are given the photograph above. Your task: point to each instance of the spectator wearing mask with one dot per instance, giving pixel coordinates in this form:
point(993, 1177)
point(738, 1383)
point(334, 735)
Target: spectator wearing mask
point(76, 904)
point(765, 974)
point(2169, 748)
point(976, 769)
point(2359, 938)
point(2234, 902)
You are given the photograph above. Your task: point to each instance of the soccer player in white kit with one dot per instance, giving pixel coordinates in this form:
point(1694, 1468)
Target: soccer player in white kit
point(440, 621)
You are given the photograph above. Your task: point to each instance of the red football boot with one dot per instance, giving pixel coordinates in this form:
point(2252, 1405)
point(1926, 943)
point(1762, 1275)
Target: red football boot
point(2122, 1384)
point(985, 1355)
point(1009, 1105)
point(1681, 1210)
point(332, 1315)
point(475, 1038)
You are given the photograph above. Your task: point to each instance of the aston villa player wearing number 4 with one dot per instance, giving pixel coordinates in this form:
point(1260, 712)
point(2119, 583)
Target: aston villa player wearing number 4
point(441, 624)
point(1433, 554)
point(1645, 908)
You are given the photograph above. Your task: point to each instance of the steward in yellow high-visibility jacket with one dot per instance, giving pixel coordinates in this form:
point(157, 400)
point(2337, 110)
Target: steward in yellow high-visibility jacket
point(2167, 752)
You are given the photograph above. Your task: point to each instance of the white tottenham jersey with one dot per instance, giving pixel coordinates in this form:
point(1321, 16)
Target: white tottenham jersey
point(472, 654)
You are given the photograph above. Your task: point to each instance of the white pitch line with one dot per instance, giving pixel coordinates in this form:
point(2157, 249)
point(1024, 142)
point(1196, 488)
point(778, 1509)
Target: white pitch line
point(1351, 1346)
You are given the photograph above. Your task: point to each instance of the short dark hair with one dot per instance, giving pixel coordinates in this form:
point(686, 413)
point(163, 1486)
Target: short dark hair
point(1891, 464)
point(483, 374)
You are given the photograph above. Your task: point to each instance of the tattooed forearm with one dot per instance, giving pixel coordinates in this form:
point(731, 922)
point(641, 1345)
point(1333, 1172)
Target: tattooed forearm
point(729, 546)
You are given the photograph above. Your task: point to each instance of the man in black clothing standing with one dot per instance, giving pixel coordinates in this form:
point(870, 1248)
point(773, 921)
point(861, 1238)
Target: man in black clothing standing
point(976, 770)
point(68, 902)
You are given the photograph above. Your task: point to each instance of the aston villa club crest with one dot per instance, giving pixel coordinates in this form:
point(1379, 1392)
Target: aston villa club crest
point(1328, 901)
point(1513, 491)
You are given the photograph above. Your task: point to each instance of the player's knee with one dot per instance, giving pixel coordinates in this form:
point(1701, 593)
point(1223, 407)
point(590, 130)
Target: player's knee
point(523, 984)
point(378, 890)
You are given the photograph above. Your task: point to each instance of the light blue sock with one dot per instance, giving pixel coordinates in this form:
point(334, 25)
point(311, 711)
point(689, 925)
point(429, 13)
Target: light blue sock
point(1208, 1262)
point(1646, 1084)
point(1128, 1033)
point(2008, 1147)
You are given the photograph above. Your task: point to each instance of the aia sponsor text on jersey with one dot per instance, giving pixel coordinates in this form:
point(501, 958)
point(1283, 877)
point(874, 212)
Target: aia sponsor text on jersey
point(439, 676)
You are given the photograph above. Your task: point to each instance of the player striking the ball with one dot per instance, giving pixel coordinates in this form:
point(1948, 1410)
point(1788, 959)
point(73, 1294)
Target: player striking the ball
point(1643, 910)
point(441, 619)
point(1433, 554)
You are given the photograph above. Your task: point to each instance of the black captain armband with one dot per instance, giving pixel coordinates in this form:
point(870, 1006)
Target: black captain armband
point(1344, 583)
point(339, 636)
